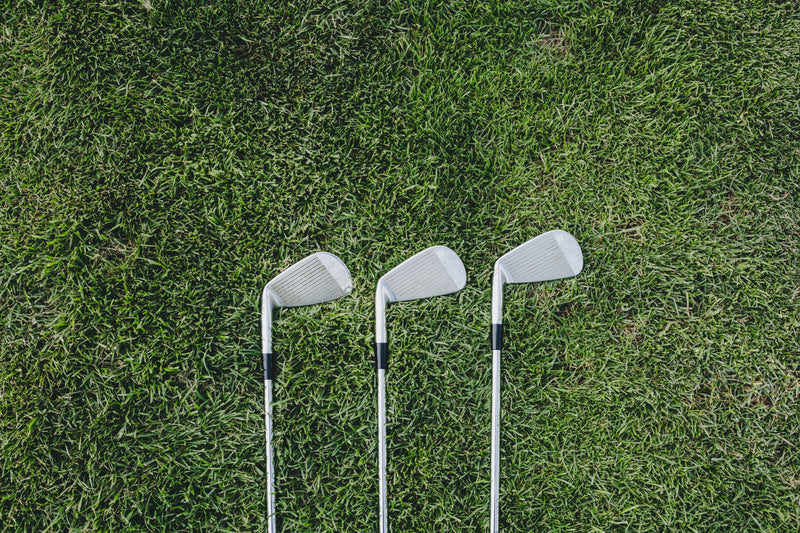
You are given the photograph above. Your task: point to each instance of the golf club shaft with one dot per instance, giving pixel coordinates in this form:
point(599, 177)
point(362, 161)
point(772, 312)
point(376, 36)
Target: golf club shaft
point(381, 354)
point(268, 362)
point(497, 345)
point(495, 502)
point(383, 512)
point(270, 471)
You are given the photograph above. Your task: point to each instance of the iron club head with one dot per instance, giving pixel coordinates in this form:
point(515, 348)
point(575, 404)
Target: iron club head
point(550, 256)
point(435, 271)
point(547, 257)
point(316, 279)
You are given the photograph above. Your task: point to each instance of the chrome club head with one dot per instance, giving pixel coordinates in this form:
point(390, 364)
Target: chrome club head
point(550, 256)
point(435, 271)
point(318, 278)
point(547, 257)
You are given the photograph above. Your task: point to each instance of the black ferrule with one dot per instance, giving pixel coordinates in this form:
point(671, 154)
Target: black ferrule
point(381, 355)
point(269, 366)
point(497, 336)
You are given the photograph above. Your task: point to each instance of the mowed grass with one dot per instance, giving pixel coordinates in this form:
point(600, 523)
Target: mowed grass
point(160, 161)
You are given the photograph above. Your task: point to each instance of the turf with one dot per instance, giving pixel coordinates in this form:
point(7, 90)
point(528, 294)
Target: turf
point(161, 160)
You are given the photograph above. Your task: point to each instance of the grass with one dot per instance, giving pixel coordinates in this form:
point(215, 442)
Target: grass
point(160, 161)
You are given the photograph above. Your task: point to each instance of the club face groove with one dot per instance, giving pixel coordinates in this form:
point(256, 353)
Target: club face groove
point(435, 271)
point(549, 256)
point(318, 278)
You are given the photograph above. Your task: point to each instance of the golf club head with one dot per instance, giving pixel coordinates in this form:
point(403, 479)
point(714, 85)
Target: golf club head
point(550, 256)
point(434, 271)
point(319, 278)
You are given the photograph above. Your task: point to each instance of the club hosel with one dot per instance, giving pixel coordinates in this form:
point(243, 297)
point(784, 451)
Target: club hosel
point(498, 281)
point(268, 303)
point(382, 298)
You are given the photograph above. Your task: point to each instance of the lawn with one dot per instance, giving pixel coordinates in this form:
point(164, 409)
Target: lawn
point(161, 160)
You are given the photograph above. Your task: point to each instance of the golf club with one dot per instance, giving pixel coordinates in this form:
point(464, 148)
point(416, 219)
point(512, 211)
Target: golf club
point(550, 256)
point(434, 271)
point(318, 278)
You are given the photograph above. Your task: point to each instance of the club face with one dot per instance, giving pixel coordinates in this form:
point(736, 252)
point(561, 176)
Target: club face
point(434, 271)
point(319, 278)
point(550, 256)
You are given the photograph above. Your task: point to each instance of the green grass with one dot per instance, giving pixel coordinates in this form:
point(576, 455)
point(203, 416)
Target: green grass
point(160, 161)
